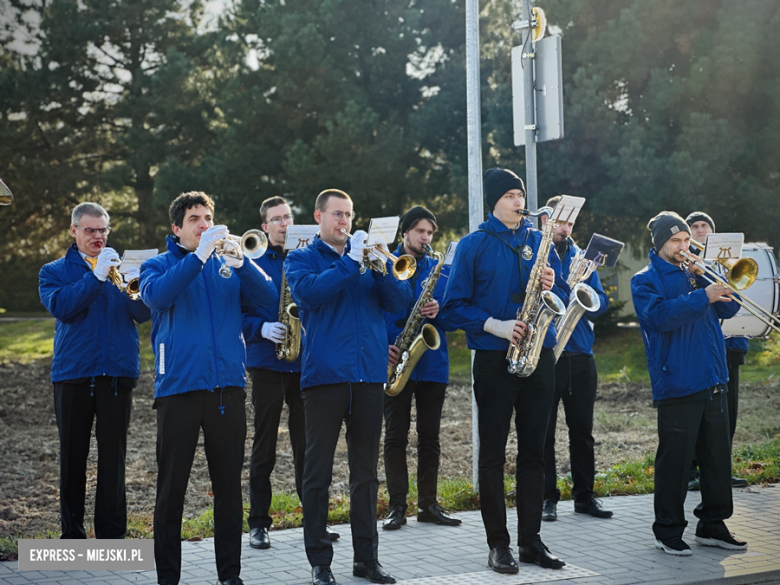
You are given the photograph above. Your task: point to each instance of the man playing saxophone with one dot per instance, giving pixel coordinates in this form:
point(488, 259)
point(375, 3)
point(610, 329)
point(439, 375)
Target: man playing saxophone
point(427, 382)
point(484, 292)
point(275, 381)
point(575, 385)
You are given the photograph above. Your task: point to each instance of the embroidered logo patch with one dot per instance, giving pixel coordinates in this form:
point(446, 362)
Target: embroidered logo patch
point(674, 229)
point(528, 253)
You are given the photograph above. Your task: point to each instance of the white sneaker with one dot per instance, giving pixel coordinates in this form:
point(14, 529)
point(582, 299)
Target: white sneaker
point(674, 546)
point(726, 541)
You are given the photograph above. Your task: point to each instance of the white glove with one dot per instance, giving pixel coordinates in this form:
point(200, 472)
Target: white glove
point(107, 259)
point(357, 245)
point(377, 256)
point(233, 262)
point(273, 332)
point(131, 274)
point(502, 329)
point(208, 241)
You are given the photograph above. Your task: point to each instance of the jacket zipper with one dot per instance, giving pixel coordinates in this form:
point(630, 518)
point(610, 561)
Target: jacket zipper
point(211, 321)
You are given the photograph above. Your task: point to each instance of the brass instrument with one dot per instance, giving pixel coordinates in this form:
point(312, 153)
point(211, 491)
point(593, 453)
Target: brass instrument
point(583, 299)
point(290, 348)
point(403, 268)
point(6, 197)
point(416, 337)
point(252, 244)
point(740, 274)
point(538, 310)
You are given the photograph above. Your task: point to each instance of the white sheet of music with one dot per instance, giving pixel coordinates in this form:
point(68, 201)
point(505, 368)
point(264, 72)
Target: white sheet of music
point(134, 259)
point(383, 227)
point(568, 209)
point(721, 246)
point(300, 236)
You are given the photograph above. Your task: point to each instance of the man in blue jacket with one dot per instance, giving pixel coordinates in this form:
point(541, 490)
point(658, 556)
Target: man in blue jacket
point(95, 367)
point(737, 347)
point(200, 361)
point(344, 372)
point(427, 385)
point(678, 313)
point(274, 381)
point(576, 380)
point(485, 290)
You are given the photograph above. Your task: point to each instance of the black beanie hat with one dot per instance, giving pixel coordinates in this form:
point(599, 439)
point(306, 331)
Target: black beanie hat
point(700, 216)
point(415, 214)
point(664, 225)
point(496, 182)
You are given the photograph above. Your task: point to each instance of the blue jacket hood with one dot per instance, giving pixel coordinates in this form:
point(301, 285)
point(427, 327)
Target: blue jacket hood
point(95, 333)
point(680, 328)
point(486, 281)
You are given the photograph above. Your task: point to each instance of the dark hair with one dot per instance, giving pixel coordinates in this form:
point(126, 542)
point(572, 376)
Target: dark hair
point(553, 201)
point(186, 201)
point(268, 204)
point(322, 198)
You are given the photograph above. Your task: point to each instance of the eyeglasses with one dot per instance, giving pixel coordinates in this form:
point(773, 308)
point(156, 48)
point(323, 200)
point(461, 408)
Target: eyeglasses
point(339, 215)
point(278, 219)
point(92, 231)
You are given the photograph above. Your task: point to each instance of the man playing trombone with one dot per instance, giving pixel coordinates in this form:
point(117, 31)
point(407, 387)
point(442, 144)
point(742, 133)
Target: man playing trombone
point(344, 371)
point(95, 368)
point(200, 377)
point(679, 314)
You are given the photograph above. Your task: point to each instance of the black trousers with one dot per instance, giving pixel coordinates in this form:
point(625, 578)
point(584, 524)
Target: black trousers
point(498, 393)
point(699, 426)
point(270, 391)
point(326, 407)
point(576, 380)
point(429, 398)
point(75, 407)
point(222, 416)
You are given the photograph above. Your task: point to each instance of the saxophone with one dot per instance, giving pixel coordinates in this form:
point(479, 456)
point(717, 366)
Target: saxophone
point(415, 338)
point(539, 308)
point(288, 316)
point(583, 299)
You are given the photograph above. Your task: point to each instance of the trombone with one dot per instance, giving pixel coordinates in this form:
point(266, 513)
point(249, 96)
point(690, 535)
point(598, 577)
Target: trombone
point(740, 274)
point(403, 266)
point(252, 244)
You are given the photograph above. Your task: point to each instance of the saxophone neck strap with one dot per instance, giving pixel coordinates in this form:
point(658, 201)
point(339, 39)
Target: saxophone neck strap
point(518, 298)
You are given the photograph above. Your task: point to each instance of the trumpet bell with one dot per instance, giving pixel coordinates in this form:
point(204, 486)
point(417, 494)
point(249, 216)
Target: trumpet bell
point(6, 197)
point(404, 267)
point(741, 273)
point(254, 243)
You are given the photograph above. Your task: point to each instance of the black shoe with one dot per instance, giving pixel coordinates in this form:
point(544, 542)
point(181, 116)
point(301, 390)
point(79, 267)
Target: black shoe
point(725, 540)
point(738, 482)
point(231, 581)
point(592, 507)
point(674, 546)
point(258, 538)
point(435, 514)
point(501, 560)
point(395, 519)
point(372, 571)
point(322, 575)
point(694, 485)
point(550, 511)
point(332, 536)
point(540, 555)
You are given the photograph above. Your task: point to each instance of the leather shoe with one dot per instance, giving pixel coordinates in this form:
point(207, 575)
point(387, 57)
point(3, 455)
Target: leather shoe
point(435, 514)
point(231, 581)
point(592, 507)
point(332, 536)
point(550, 511)
point(258, 538)
point(501, 560)
point(372, 571)
point(395, 519)
point(540, 555)
point(738, 482)
point(322, 575)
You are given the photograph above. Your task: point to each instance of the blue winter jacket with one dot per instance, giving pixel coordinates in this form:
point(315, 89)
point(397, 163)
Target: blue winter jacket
point(434, 366)
point(682, 335)
point(94, 334)
point(260, 352)
point(581, 340)
point(485, 281)
point(196, 319)
point(342, 312)
point(738, 343)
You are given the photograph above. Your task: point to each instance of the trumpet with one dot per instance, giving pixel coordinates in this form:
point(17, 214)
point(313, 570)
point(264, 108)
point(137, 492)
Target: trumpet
point(132, 288)
point(252, 244)
point(403, 267)
point(740, 274)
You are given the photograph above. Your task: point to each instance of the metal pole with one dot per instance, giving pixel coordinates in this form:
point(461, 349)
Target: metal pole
point(530, 113)
point(474, 139)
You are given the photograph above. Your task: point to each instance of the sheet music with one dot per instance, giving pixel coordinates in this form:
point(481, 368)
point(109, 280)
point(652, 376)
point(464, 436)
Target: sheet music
point(300, 236)
point(603, 251)
point(134, 258)
point(450, 255)
point(568, 209)
point(383, 227)
point(722, 246)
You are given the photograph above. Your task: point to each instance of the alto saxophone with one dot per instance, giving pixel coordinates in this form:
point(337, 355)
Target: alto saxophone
point(583, 299)
point(539, 308)
point(415, 338)
point(288, 316)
